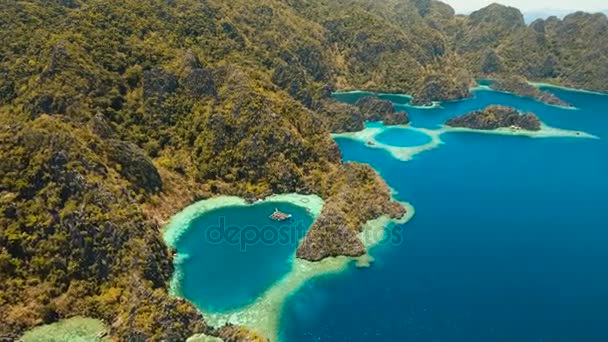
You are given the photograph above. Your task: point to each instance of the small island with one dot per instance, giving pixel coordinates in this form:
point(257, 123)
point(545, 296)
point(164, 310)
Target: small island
point(494, 117)
point(519, 86)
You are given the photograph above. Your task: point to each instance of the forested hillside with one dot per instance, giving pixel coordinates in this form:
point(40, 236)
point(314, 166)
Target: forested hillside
point(572, 52)
point(114, 114)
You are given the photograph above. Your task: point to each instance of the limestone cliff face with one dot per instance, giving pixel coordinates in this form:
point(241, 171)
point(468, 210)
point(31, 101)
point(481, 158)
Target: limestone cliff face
point(494, 117)
point(135, 165)
point(439, 88)
point(375, 109)
point(445, 83)
point(341, 117)
point(358, 195)
point(495, 40)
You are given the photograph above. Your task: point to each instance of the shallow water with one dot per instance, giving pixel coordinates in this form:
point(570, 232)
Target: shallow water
point(509, 241)
point(402, 137)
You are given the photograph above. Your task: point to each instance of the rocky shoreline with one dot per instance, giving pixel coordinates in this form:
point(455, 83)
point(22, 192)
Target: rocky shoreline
point(375, 109)
point(519, 86)
point(494, 117)
point(361, 195)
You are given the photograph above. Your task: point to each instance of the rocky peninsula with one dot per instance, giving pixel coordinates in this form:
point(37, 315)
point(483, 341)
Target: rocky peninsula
point(360, 195)
point(519, 86)
point(494, 117)
point(375, 109)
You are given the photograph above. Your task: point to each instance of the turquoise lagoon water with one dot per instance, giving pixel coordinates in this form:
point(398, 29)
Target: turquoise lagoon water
point(224, 272)
point(401, 137)
point(509, 242)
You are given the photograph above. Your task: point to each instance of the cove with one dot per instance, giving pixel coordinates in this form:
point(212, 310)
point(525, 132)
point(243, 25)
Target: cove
point(230, 251)
point(508, 242)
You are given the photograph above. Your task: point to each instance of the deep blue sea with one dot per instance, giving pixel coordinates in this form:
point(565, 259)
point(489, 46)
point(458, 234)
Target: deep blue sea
point(509, 241)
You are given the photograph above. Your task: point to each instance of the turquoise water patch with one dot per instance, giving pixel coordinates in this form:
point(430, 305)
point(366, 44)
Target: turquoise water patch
point(231, 255)
point(403, 137)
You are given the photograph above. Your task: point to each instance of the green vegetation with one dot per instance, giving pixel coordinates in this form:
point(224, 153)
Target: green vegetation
point(494, 117)
point(495, 42)
point(358, 195)
point(114, 114)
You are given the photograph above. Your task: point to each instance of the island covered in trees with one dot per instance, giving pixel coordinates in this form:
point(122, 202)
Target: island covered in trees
point(494, 117)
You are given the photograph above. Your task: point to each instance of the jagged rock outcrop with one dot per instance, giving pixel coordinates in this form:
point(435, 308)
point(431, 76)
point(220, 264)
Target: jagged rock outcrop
point(494, 117)
point(135, 165)
point(341, 117)
point(99, 125)
point(158, 84)
point(519, 86)
point(398, 118)
point(199, 82)
point(196, 79)
point(439, 86)
point(375, 109)
point(293, 79)
point(359, 195)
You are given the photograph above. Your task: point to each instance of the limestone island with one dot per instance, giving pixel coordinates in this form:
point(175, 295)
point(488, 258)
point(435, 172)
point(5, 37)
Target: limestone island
point(341, 117)
point(519, 86)
point(495, 117)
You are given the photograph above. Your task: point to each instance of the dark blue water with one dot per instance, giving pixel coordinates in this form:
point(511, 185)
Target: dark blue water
point(231, 270)
point(402, 137)
point(509, 242)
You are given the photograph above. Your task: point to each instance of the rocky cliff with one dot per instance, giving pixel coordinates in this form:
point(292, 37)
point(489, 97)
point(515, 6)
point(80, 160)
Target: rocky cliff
point(357, 195)
point(375, 109)
point(496, 41)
